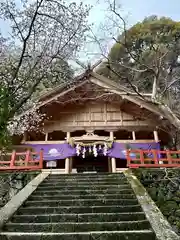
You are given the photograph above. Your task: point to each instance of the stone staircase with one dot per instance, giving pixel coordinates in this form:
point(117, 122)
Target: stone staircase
point(80, 207)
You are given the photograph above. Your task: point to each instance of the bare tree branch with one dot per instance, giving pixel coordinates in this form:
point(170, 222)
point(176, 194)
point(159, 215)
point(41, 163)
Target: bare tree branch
point(132, 86)
point(26, 39)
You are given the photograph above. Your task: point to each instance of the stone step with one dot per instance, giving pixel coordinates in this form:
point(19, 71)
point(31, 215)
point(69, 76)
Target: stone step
point(90, 217)
point(84, 187)
point(77, 183)
point(103, 235)
point(53, 192)
point(83, 175)
point(78, 209)
point(79, 179)
point(98, 178)
point(90, 175)
point(80, 196)
point(84, 181)
point(78, 227)
point(81, 202)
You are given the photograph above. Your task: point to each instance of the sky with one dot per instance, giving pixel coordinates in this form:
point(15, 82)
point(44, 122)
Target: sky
point(138, 9)
point(133, 10)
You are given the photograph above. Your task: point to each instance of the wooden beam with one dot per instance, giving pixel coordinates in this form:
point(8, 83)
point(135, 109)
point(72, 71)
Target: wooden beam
point(136, 141)
point(80, 125)
point(44, 142)
point(96, 127)
point(60, 142)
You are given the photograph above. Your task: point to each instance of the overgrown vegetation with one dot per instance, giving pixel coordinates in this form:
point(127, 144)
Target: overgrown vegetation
point(11, 183)
point(163, 185)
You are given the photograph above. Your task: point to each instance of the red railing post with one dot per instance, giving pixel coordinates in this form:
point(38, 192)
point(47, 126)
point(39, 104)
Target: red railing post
point(13, 158)
point(27, 158)
point(141, 155)
point(11, 164)
point(168, 155)
point(128, 151)
point(155, 158)
point(41, 159)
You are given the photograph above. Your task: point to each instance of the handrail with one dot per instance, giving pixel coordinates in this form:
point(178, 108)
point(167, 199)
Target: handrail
point(152, 158)
point(136, 158)
point(23, 161)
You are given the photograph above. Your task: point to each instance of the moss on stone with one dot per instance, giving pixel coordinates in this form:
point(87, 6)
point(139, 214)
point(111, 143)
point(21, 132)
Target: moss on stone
point(164, 188)
point(169, 207)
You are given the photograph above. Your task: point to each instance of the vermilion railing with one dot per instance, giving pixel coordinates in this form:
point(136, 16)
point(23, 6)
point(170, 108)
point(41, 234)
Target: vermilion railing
point(21, 161)
point(135, 158)
point(152, 158)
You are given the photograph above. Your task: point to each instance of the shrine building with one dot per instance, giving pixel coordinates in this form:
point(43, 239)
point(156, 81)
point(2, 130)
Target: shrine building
point(94, 125)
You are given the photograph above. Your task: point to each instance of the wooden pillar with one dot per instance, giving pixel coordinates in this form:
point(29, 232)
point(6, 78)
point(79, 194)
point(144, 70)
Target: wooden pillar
point(156, 138)
point(25, 137)
point(46, 137)
point(68, 135)
point(67, 160)
point(113, 163)
point(113, 160)
point(133, 135)
point(71, 164)
point(67, 166)
point(112, 136)
point(109, 165)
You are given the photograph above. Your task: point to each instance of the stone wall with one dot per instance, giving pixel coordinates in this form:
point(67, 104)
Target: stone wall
point(163, 185)
point(12, 183)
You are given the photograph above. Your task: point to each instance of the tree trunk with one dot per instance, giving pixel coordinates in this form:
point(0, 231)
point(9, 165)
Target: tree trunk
point(154, 89)
point(168, 113)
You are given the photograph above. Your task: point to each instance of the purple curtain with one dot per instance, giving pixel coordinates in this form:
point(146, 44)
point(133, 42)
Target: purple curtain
point(61, 151)
point(54, 151)
point(119, 149)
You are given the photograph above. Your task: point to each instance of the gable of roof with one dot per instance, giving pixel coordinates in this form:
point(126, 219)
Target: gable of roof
point(64, 86)
point(143, 100)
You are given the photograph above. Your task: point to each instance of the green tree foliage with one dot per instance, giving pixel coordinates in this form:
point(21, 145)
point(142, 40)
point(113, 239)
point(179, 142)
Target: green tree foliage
point(146, 50)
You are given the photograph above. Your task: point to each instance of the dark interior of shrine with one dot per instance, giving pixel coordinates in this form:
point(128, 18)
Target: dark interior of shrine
point(91, 163)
